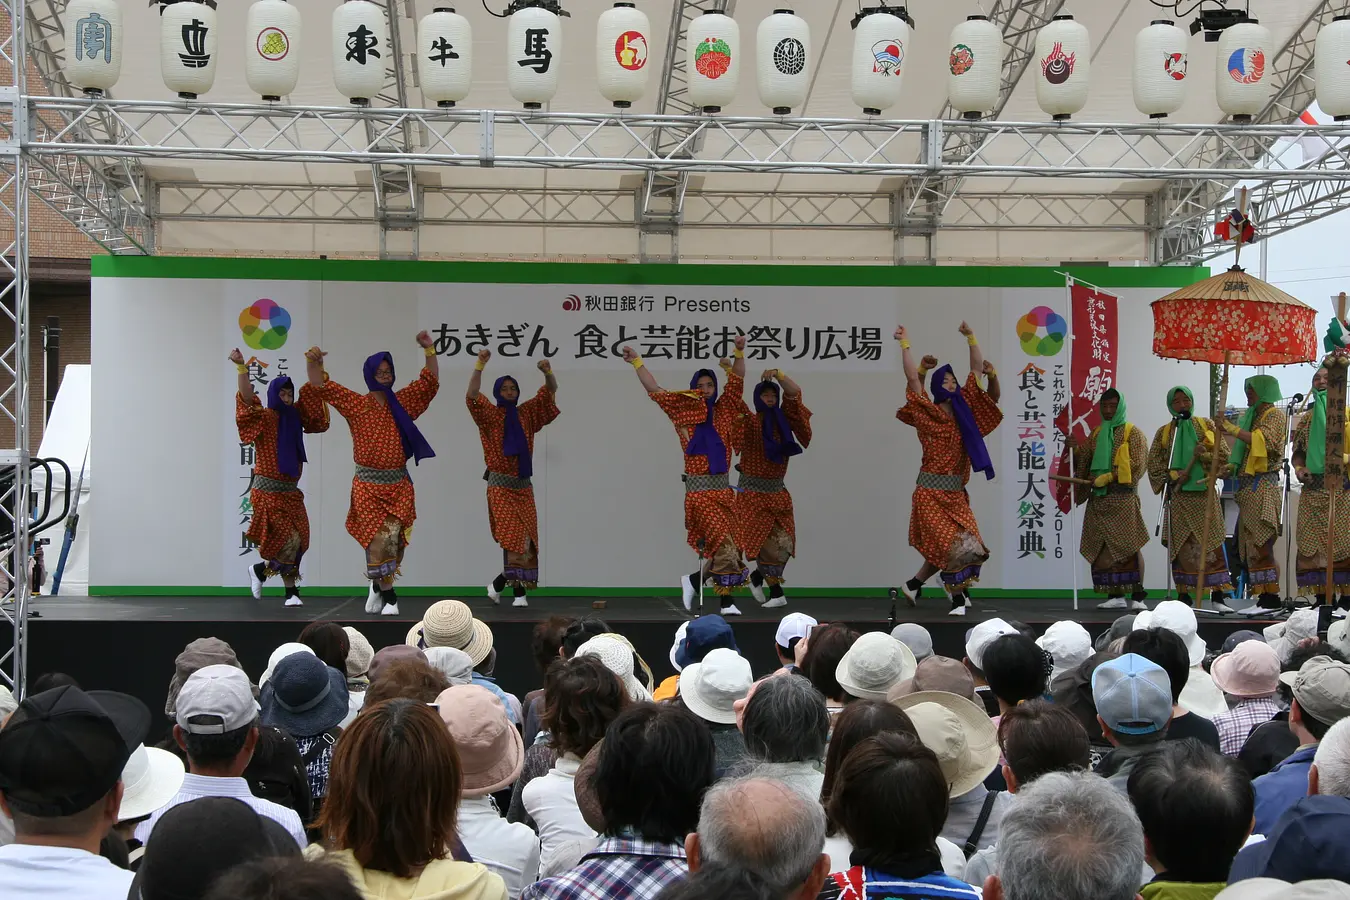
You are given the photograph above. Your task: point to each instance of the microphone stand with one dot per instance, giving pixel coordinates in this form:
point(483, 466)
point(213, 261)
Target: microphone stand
point(895, 595)
point(1164, 511)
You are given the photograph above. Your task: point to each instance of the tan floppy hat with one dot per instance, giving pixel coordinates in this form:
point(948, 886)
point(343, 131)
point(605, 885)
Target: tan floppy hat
point(959, 732)
point(491, 752)
point(874, 664)
point(450, 623)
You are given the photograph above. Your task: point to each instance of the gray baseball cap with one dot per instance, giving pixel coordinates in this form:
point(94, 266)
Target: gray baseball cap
point(1133, 695)
point(220, 692)
point(1322, 689)
point(916, 638)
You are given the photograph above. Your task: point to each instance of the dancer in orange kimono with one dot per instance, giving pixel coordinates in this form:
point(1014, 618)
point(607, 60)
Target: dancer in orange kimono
point(952, 427)
point(384, 437)
point(765, 527)
point(507, 432)
point(279, 525)
point(706, 425)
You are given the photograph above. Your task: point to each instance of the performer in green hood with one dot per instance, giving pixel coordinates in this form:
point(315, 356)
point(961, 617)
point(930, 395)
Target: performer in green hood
point(1310, 458)
point(1180, 456)
point(1114, 533)
point(1258, 453)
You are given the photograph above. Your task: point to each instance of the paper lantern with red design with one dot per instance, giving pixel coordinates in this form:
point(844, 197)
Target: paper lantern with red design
point(975, 67)
point(1243, 84)
point(1160, 69)
point(712, 61)
point(880, 41)
point(1062, 67)
point(623, 54)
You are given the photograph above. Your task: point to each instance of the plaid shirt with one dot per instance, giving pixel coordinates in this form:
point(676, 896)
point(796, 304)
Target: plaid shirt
point(617, 869)
point(1235, 725)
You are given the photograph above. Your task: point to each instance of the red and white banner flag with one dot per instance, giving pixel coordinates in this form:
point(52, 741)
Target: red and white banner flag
point(1092, 369)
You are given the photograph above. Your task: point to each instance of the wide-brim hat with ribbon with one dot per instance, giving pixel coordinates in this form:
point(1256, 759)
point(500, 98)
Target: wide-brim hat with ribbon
point(304, 697)
point(450, 623)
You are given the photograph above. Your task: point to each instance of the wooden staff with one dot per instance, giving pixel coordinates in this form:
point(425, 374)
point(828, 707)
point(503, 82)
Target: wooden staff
point(1210, 479)
point(1068, 479)
point(1335, 462)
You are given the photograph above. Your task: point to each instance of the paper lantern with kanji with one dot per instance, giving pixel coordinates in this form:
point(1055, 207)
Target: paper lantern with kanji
point(975, 67)
point(444, 56)
point(713, 61)
point(1243, 84)
point(533, 56)
point(360, 50)
point(623, 54)
point(1062, 67)
point(187, 46)
point(880, 41)
point(272, 48)
point(782, 61)
point(93, 60)
point(1332, 65)
point(1160, 64)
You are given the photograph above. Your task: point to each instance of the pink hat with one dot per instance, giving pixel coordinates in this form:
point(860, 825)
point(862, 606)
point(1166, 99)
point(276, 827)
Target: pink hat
point(1251, 669)
point(491, 752)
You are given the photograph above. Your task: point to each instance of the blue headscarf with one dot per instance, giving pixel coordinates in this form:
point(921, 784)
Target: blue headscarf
point(414, 445)
point(773, 421)
point(514, 442)
point(965, 420)
point(705, 440)
point(290, 433)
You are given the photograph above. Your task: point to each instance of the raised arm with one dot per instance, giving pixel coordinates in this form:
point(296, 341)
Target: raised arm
point(433, 363)
point(476, 377)
point(644, 374)
point(976, 357)
point(738, 364)
point(790, 387)
point(245, 383)
point(994, 391)
point(314, 366)
point(550, 380)
point(913, 381)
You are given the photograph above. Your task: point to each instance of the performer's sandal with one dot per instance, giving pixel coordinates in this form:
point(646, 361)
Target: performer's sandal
point(730, 610)
point(519, 601)
point(255, 582)
point(959, 604)
point(757, 588)
point(1114, 603)
point(373, 600)
point(688, 591)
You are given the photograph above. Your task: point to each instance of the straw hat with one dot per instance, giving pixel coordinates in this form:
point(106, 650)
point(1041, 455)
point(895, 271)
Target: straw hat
point(450, 623)
point(359, 653)
point(617, 656)
point(960, 733)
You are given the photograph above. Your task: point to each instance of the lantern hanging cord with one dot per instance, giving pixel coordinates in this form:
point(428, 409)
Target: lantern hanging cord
point(490, 12)
point(1175, 6)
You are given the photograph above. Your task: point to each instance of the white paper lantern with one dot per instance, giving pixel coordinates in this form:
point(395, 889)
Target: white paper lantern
point(360, 50)
point(1160, 62)
point(272, 48)
point(1062, 67)
point(622, 51)
point(93, 45)
point(713, 61)
point(1332, 63)
point(533, 56)
point(880, 41)
point(1242, 84)
point(783, 61)
point(975, 67)
point(187, 46)
point(444, 56)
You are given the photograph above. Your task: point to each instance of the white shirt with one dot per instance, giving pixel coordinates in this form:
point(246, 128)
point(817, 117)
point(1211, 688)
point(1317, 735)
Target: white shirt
point(197, 786)
point(30, 871)
point(510, 849)
point(551, 801)
point(1201, 695)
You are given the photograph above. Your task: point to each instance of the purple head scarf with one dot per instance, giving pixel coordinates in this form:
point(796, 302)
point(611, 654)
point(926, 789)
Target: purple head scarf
point(290, 433)
point(779, 442)
point(514, 442)
point(414, 445)
point(705, 440)
point(965, 420)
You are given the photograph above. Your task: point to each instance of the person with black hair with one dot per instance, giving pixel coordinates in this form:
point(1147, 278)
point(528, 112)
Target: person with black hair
point(1014, 668)
point(284, 878)
point(546, 641)
point(825, 647)
point(1166, 649)
point(218, 728)
point(1196, 808)
point(654, 766)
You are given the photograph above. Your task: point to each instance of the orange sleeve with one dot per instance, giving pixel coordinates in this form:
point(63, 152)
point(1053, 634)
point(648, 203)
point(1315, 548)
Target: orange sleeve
point(347, 402)
point(480, 408)
point(682, 410)
point(916, 409)
point(538, 411)
point(417, 395)
point(982, 406)
point(248, 415)
point(313, 411)
point(799, 417)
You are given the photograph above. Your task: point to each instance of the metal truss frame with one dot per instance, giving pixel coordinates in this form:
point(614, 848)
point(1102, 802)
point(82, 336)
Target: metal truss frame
point(396, 194)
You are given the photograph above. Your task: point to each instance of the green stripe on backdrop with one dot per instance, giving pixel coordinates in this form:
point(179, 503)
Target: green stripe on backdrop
point(198, 590)
point(618, 273)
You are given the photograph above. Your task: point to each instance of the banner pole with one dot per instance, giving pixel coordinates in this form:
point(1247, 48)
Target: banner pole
point(1073, 491)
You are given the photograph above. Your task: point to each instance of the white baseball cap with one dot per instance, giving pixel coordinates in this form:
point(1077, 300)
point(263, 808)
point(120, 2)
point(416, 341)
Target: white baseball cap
point(793, 625)
point(221, 691)
point(1068, 644)
point(981, 636)
point(1179, 619)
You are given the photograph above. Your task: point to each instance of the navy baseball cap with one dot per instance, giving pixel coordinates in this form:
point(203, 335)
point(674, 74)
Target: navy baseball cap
point(1307, 842)
point(704, 634)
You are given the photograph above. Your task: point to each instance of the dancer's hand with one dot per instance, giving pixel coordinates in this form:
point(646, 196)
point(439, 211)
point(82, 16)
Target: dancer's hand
point(1230, 428)
point(1301, 472)
point(989, 369)
point(769, 375)
point(1174, 474)
point(901, 334)
point(725, 363)
point(928, 363)
point(315, 355)
point(965, 329)
point(236, 357)
point(629, 354)
point(423, 339)
point(545, 366)
point(740, 342)
point(484, 355)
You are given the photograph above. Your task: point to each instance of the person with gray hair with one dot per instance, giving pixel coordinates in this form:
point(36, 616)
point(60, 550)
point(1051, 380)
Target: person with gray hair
point(1330, 770)
point(786, 726)
point(763, 827)
point(1070, 836)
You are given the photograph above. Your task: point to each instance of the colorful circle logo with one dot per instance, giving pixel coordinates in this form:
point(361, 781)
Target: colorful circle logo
point(1042, 332)
point(265, 325)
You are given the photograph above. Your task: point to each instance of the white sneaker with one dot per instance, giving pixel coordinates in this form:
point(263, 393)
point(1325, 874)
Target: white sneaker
point(493, 594)
point(969, 604)
point(688, 592)
point(390, 609)
point(1138, 604)
point(1338, 613)
point(957, 610)
point(756, 591)
point(254, 583)
point(520, 602)
point(1221, 607)
point(1114, 603)
point(373, 600)
point(775, 602)
point(294, 601)
point(910, 599)
point(730, 610)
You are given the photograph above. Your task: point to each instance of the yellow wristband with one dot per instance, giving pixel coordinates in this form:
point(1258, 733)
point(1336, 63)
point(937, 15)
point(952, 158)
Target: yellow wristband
point(970, 339)
point(637, 363)
point(778, 373)
point(739, 353)
point(480, 365)
point(922, 371)
point(429, 351)
point(904, 344)
point(241, 368)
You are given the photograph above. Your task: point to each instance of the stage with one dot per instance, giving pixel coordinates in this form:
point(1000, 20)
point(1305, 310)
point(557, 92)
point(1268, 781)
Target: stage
point(129, 643)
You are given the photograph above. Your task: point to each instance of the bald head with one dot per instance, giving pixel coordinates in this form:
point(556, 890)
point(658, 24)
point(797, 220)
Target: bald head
point(760, 825)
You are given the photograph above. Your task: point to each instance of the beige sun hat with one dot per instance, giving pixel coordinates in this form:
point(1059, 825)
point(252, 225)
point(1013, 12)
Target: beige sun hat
point(874, 664)
point(450, 623)
point(960, 733)
point(617, 656)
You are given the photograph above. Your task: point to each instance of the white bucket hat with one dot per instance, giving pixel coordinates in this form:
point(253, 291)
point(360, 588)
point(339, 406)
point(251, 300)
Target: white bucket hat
point(874, 664)
point(1284, 637)
point(959, 733)
point(711, 688)
point(1068, 644)
point(1179, 619)
point(150, 779)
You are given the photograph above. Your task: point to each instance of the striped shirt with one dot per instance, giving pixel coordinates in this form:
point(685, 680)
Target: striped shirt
point(1236, 725)
point(196, 787)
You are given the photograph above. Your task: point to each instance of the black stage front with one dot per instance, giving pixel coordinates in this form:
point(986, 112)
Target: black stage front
point(129, 643)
